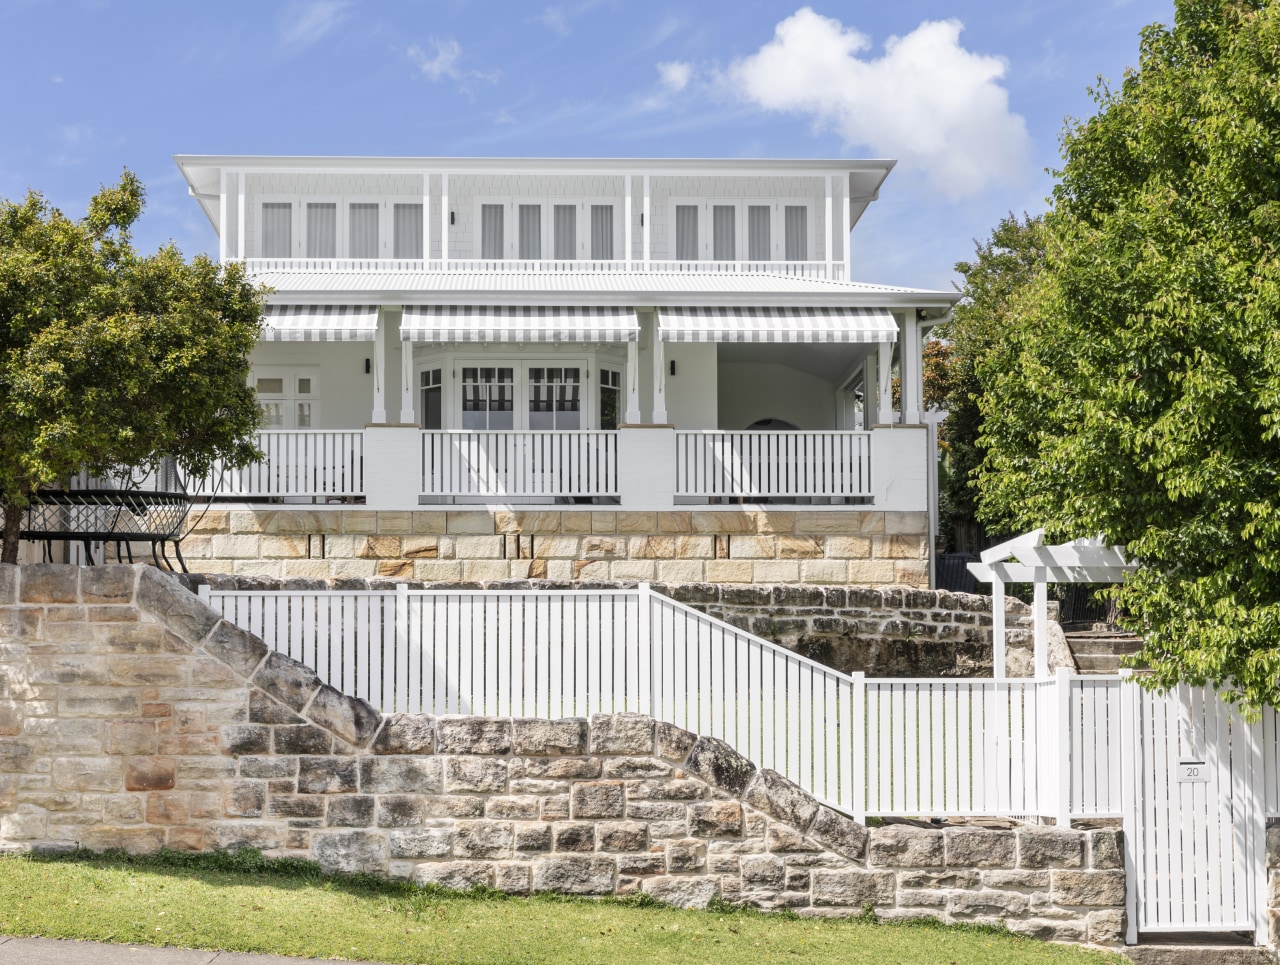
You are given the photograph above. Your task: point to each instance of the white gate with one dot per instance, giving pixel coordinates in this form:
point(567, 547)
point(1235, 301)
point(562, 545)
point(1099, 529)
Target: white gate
point(1194, 814)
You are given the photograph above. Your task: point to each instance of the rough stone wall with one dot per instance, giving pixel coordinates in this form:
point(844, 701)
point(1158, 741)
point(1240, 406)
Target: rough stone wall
point(132, 716)
point(683, 546)
point(881, 631)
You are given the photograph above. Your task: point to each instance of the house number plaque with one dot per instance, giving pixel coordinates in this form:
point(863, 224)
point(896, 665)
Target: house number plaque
point(1193, 772)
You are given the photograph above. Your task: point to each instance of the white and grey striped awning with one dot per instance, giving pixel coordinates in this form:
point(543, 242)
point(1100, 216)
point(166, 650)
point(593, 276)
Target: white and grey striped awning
point(320, 323)
point(769, 324)
point(518, 323)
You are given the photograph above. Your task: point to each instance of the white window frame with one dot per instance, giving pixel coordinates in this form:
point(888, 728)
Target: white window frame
point(386, 215)
point(511, 223)
point(451, 365)
point(290, 397)
point(777, 225)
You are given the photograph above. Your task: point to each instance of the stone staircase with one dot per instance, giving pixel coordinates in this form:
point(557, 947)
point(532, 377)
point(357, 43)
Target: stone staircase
point(1098, 649)
point(1197, 950)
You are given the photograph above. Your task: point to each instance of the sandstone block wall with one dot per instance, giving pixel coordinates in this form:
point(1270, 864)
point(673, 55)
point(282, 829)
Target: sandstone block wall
point(684, 546)
point(132, 716)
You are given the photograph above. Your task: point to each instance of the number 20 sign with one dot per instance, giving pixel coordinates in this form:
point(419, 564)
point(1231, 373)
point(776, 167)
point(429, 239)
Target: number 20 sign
point(1193, 772)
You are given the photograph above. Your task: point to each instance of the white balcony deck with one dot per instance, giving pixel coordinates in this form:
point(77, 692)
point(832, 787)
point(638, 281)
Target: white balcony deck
point(332, 465)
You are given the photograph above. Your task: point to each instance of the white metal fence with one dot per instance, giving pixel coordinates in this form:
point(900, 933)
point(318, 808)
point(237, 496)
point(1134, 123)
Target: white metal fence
point(520, 463)
point(889, 747)
point(773, 464)
point(316, 463)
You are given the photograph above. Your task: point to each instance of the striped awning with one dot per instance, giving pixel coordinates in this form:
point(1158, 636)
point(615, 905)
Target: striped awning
point(518, 323)
point(320, 323)
point(768, 324)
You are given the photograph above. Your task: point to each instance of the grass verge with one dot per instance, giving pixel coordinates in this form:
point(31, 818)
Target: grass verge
point(243, 902)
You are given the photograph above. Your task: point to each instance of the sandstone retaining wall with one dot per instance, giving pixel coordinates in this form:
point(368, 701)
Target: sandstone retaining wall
point(132, 716)
point(681, 546)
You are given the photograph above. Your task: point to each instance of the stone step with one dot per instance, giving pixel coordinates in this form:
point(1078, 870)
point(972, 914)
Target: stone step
point(1103, 644)
point(1217, 954)
point(1098, 663)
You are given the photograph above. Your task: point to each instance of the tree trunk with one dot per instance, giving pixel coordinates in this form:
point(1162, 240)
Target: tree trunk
point(13, 515)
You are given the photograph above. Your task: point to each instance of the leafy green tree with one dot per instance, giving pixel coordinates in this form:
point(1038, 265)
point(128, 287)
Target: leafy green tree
point(1138, 393)
point(108, 358)
point(1000, 271)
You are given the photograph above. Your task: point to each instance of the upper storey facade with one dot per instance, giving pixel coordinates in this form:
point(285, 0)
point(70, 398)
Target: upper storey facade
point(535, 215)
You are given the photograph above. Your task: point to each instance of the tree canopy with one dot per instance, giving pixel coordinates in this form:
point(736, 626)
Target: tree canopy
point(109, 358)
point(1137, 394)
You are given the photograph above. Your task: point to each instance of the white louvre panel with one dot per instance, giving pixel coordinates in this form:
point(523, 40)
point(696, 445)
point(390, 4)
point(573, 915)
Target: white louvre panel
point(320, 323)
point(765, 324)
point(525, 323)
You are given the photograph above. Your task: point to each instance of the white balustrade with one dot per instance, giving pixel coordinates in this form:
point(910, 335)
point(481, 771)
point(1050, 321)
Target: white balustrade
point(316, 463)
point(888, 747)
point(798, 269)
point(773, 464)
point(546, 465)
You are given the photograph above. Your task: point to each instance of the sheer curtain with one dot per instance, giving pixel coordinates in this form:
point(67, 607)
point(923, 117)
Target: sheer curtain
point(491, 242)
point(566, 232)
point(723, 232)
point(797, 233)
point(362, 231)
point(687, 232)
point(602, 232)
point(758, 233)
point(407, 228)
point(277, 230)
point(530, 231)
point(322, 229)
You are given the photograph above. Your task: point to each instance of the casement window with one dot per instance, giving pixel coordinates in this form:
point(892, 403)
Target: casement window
point(491, 241)
point(550, 230)
point(610, 398)
point(277, 229)
point(407, 231)
point(530, 232)
point(362, 230)
point(432, 388)
point(796, 246)
point(555, 400)
point(488, 397)
point(322, 229)
point(749, 230)
point(288, 396)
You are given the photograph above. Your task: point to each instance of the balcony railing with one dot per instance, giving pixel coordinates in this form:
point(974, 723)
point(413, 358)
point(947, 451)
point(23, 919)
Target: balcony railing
point(549, 465)
point(775, 465)
point(316, 463)
point(799, 269)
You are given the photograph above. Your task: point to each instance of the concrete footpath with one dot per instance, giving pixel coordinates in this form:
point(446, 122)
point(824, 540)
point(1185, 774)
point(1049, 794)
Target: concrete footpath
point(53, 951)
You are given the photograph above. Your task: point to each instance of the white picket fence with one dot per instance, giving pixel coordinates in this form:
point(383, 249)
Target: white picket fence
point(883, 747)
point(520, 463)
point(773, 464)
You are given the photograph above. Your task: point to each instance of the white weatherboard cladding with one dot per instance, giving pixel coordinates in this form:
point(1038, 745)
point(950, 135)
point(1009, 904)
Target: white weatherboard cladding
point(691, 391)
point(499, 323)
point(345, 390)
point(766, 324)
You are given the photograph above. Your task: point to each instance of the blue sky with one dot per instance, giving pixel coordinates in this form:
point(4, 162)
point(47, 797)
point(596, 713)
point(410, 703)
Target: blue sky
point(970, 95)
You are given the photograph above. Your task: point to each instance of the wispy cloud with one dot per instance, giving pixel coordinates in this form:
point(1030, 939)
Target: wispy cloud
point(302, 24)
point(937, 107)
point(559, 17)
point(439, 60)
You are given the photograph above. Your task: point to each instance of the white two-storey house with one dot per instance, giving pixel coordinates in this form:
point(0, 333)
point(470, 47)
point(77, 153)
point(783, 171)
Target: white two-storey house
point(628, 335)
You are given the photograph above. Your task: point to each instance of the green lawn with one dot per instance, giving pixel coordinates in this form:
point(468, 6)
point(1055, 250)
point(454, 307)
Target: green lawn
point(242, 903)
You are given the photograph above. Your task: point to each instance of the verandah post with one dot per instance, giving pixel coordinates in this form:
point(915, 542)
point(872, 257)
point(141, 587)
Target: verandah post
point(858, 748)
point(1062, 716)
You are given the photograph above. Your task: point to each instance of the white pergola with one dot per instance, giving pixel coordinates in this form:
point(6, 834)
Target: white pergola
point(1025, 559)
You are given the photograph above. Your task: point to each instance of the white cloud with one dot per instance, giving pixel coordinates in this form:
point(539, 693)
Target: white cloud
point(674, 75)
point(442, 62)
point(304, 23)
point(554, 19)
point(927, 101)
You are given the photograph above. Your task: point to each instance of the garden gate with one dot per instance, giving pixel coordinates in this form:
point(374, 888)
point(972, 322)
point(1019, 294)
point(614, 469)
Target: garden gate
point(1194, 814)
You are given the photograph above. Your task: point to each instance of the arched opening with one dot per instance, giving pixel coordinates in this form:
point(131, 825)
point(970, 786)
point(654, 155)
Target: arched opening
point(771, 425)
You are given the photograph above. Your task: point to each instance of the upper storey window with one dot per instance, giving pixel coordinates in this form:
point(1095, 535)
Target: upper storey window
point(562, 231)
point(322, 230)
point(407, 231)
point(277, 230)
point(340, 228)
point(362, 230)
point(754, 231)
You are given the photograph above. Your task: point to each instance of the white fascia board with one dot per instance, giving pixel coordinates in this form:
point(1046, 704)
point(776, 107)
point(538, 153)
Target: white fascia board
point(636, 299)
point(207, 182)
point(1005, 550)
